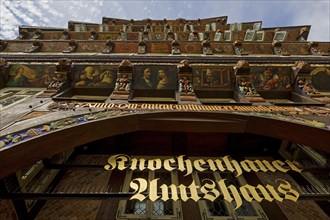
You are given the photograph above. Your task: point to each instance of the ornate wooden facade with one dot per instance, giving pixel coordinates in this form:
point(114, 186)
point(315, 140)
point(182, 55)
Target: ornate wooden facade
point(72, 97)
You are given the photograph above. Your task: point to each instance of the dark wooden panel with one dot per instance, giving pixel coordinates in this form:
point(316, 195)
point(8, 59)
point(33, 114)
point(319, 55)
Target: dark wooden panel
point(190, 208)
point(108, 208)
point(271, 209)
point(207, 144)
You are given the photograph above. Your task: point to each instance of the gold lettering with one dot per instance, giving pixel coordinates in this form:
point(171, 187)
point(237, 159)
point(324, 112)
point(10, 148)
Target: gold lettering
point(102, 105)
point(209, 190)
point(122, 106)
point(110, 105)
point(226, 195)
point(264, 193)
point(138, 188)
point(182, 167)
point(217, 108)
point(151, 106)
point(230, 167)
point(278, 165)
point(269, 166)
point(261, 166)
point(83, 104)
point(293, 166)
point(244, 190)
point(154, 164)
point(182, 107)
point(167, 165)
point(93, 105)
point(118, 158)
point(212, 164)
point(285, 188)
point(198, 165)
point(203, 108)
point(193, 192)
point(135, 162)
point(247, 165)
point(213, 108)
point(153, 190)
point(193, 107)
point(165, 195)
point(132, 106)
point(219, 164)
point(274, 193)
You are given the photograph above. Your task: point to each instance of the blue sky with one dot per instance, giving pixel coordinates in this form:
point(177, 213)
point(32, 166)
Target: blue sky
point(57, 13)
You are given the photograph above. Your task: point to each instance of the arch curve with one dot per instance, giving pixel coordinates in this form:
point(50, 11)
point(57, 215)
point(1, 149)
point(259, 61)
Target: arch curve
point(27, 152)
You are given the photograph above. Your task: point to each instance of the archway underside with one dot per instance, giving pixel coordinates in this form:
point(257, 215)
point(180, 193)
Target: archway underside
point(28, 152)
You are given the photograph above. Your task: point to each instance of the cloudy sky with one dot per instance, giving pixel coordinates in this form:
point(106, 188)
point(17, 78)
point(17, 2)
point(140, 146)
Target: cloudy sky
point(56, 13)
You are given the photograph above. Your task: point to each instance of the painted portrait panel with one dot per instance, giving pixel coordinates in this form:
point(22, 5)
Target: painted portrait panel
point(95, 76)
point(212, 77)
point(272, 78)
point(160, 77)
point(30, 75)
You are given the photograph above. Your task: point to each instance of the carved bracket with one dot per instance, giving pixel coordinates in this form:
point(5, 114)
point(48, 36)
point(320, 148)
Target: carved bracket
point(23, 35)
point(206, 48)
point(36, 47)
point(63, 70)
point(303, 34)
point(3, 45)
point(109, 47)
point(94, 36)
point(312, 49)
point(73, 45)
point(277, 48)
point(175, 47)
point(66, 35)
point(238, 48)
point(170, 36)
point(185, 78)
point(142, 48)
point(124, 77)
point(38, 35)
point(123, 82)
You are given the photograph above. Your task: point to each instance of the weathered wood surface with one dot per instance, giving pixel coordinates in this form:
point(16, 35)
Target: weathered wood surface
point(11, 114)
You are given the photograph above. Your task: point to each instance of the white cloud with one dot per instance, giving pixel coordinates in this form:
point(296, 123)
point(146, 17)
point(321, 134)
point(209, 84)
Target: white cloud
point(8, 23)
point(318, 15)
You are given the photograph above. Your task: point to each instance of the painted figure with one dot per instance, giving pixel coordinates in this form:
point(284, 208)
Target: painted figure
point(269, 80)
point(245, 86)
point(163, 80)
point(145, 81)
point(210, 79)
point(25, 76)
point(86, 76)
point(284, 80)
point(92, 77)
point(105, 79)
